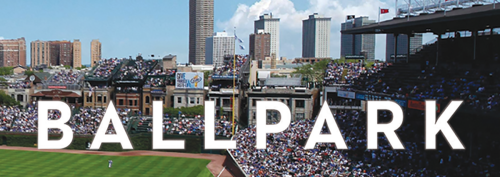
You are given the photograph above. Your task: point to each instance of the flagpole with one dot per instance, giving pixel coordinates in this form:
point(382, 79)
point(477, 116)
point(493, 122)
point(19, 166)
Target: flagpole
point(409, 13)
point(379, 14)
point(234, 79)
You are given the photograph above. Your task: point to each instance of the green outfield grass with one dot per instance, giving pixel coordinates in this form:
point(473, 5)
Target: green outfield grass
point(33, 163)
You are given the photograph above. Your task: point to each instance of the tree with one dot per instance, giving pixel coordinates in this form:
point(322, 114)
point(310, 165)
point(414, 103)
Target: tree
point(188, 111)
point(6, 71)
point(206, 74)
point(314, 72)
point(27, 72)
point(67, 66)
point(6, 100)
point(78, 68)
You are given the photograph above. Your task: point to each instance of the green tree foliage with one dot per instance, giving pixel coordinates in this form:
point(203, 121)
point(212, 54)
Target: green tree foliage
point(6, 71)
point(67, 66)
point(187, 111)
point(6, 100)
point(27, 72)
point(313, 72)
point(206, 74)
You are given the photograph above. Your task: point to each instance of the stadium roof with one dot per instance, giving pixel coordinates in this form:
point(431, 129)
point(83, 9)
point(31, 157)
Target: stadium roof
point(476, 17)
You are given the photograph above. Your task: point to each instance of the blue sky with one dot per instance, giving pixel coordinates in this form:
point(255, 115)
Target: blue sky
point(160, 27)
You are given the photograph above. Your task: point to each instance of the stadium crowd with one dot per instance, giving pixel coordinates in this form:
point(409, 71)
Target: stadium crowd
point(285, 154)
point(105, 67)
point(227, 69)
point(136, 71)
point(478, 88)
point(158, 72)
point(20, 85)
point(338, 73)
point(65, 77)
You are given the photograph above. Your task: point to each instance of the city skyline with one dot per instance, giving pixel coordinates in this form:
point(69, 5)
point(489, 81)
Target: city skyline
point(127, 28)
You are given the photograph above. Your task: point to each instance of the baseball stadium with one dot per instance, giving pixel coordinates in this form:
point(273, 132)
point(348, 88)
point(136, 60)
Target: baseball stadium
point(461, 63)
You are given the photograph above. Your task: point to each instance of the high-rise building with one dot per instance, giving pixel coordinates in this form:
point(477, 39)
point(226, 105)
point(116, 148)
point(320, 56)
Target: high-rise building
point(270, 25)
point(415, 42)
point(260, 45)
point(40, 53)
point(217, 47)
point(61, 53)
point(201, 26)
point(55, 53)
point(359, 43)
point(12, 52)
point(95, 52)
point(316, 37)
point(77, 53)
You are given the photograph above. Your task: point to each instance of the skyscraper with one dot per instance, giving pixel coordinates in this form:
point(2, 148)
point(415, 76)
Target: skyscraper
point(95, 52)
point(270, 25)
point(260, 45)
point(217, 47)
point(77, 53)
point(415, 42)
point(356, 44)
point(316, 37)
point(12, 52)
point(201, 26)
point(61, 53)
point(40, 53)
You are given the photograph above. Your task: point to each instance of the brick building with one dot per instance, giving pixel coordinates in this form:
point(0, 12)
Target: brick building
point(12, 52)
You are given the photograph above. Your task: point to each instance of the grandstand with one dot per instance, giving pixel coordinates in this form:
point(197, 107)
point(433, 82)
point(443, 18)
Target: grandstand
point(462, 66)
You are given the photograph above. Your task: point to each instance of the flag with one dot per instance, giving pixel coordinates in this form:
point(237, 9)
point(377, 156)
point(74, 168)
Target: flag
point(238, 39)
point(241, 41)
point(384, 11)
point(242, 48)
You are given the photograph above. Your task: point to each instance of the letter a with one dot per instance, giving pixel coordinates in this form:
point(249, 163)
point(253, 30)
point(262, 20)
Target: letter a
point(335, 137)
point(120, 137)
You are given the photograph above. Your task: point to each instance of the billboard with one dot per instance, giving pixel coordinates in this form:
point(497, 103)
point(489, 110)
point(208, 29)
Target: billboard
point(346, 94)
point(420, 105)
point(360, 96)
point(189, 80)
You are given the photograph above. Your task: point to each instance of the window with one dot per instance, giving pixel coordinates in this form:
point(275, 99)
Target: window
point(89, 99)
point(163, 100)
point(299, 103)
point(120, 102)
point(179, 99)
point(299, 116)
point(105, 99)
point(191, 100)
point(20, 98)
point(157, 98)
point(147, 99)
point(135, 102)
point(130, 102)
point(147, 111)
point(99, 98)
point(197, 100)
point(254, 102)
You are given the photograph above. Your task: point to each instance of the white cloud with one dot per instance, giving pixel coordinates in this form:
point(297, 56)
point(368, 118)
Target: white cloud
point(291, 21)
point(1, 38)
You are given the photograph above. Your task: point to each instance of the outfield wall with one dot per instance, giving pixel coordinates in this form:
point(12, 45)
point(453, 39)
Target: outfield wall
point(194, 144)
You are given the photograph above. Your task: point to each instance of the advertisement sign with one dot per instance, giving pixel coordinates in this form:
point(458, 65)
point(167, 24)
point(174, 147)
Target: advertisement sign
point(401, 103)
point(57, 87)
point(420, 105)
point(224, 77)
point(189, 80)
point(345, 94)
point(360, 96)
point(157, 92)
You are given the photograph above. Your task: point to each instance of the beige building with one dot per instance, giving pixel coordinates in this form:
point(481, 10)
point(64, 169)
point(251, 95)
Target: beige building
point(12, 52)
point(95, 52)
point(77, 53)
point(40, 53)
point(170, 62)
